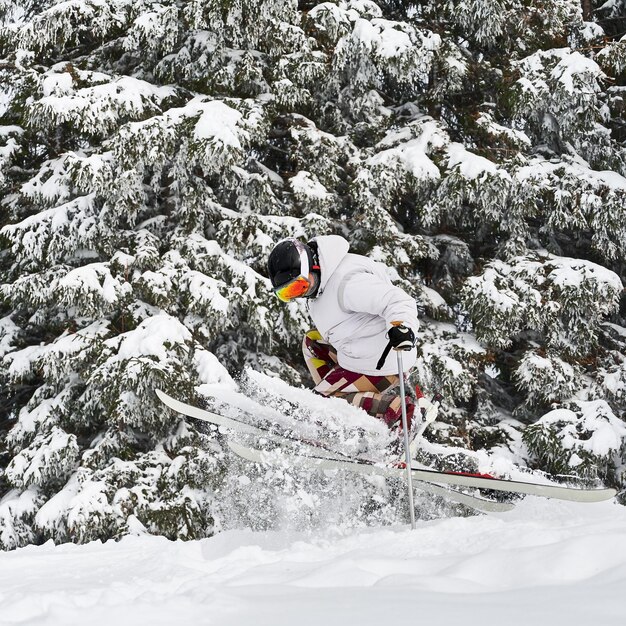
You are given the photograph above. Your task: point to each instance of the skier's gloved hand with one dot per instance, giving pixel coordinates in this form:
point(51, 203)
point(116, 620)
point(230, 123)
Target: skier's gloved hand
point(401, 337)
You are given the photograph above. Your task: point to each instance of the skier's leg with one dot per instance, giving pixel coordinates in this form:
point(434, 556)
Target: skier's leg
point(385, 407)
point(320, 357)
point(366, 392)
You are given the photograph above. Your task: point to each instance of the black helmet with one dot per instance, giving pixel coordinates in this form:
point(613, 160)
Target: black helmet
point(292, 269)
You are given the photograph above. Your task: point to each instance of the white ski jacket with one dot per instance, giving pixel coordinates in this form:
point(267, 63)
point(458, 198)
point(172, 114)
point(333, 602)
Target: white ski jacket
point(355, 306)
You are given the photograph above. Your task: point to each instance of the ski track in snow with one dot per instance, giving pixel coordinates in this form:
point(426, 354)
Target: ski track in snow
point(544, 563)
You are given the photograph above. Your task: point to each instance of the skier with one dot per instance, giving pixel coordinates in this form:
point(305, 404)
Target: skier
point(359, 316)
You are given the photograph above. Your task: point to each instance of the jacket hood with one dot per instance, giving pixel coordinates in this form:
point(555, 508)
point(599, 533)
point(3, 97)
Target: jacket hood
point(331, 249)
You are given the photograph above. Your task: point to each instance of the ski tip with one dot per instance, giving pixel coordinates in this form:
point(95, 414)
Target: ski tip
point(164, 397)
point(167, 400)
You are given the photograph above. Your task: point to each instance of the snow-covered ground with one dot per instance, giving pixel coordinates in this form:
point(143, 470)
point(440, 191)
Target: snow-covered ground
point(544, 563)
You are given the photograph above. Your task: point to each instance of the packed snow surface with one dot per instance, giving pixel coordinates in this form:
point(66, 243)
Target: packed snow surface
point(544, 563)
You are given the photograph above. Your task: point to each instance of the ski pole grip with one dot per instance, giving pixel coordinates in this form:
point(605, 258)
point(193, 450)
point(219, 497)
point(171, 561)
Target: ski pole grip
point(402, 341)
point(409, 342)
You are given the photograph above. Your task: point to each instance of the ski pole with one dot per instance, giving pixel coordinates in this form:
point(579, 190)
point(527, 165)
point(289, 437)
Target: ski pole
point(407, 445)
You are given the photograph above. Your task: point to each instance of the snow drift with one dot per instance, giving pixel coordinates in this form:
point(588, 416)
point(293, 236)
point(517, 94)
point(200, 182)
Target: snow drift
point(545, 562)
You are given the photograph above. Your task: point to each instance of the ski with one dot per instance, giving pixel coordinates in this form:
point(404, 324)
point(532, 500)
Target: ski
point(369, 467)
point(243, 427)
point(315, 450)
point(480, 504)
point(433, 476)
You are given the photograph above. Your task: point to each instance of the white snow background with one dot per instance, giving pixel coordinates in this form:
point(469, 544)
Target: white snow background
point(546, 562)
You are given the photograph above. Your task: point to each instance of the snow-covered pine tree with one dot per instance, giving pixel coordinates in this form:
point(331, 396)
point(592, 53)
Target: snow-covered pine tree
point(118, 272)
point(152, 152)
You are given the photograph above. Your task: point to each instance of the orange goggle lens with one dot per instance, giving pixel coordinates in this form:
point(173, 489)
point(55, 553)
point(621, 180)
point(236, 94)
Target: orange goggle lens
point(294, 289)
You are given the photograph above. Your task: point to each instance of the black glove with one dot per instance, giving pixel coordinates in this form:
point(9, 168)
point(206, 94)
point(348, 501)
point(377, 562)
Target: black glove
point(401, 337)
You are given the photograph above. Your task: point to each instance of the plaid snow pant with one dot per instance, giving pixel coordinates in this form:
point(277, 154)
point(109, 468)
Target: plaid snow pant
point(362, 390)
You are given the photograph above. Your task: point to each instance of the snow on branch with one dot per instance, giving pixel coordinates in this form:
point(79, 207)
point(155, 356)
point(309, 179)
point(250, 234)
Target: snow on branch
point(547, 378)
point(564, 299)
point(57, 234)
point(574, 197)
point(9, 147)
point(379, 51)
point(17, 510)
point(213, 131)
point(581, 439)
point(65, 24)
point(57, 359)
point(558, 97)
point(94, 103)
point(50, 458)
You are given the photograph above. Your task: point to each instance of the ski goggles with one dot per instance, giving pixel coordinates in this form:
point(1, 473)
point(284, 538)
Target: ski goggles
point(296, 286)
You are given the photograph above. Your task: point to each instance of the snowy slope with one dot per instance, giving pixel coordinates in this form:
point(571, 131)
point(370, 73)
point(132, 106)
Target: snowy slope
point(544, 563)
